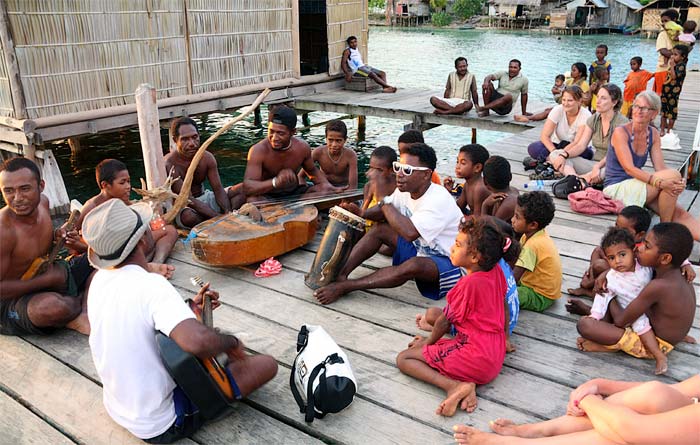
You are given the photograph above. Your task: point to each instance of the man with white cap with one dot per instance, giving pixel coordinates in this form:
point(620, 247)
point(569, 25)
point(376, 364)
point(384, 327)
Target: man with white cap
point(127, 305)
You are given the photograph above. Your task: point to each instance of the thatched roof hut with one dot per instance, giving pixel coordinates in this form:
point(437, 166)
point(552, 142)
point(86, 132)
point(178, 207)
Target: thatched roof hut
point(606, 14)
point(651, 21)
point(62, 61)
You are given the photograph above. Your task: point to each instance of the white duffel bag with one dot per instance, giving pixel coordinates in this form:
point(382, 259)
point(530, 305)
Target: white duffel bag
point(322, 381)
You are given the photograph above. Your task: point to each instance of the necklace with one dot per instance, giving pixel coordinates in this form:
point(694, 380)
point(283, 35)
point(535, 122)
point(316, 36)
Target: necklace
point(335, 161)
point(283, 149)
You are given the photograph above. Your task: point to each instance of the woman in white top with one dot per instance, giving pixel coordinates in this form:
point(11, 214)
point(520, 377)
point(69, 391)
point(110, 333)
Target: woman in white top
point(561, 127)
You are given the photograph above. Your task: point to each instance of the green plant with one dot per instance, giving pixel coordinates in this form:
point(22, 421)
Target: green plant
point(467, 8)
point(438, 4)
point(440, 19)
point(377, 3)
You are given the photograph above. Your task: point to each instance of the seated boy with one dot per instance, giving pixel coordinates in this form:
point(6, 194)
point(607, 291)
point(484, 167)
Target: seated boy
point(470, 164)
point(668, 300)
point(114, 181)
point(538, 269)
point(410, 137)
point(336, 161)
point(503, 198)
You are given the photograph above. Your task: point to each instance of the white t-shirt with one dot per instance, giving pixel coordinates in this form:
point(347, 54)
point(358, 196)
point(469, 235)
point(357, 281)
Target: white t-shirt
point(126, 307)
point(562, 131)
point(436, 218)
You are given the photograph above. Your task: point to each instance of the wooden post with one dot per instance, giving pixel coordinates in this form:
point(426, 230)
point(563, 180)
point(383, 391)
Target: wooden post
point(296, 52)
point(13, 76)
point(361, 127)
point(257, 117)
point(473, 135)
point(305, 119)
point(149, 129)
point(74, 144)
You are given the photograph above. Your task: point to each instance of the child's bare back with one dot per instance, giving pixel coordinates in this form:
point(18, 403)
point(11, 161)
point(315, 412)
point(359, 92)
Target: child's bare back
point(473, 195)
point(673, 312)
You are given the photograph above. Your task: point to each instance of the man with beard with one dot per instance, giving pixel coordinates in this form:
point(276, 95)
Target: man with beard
point(203, 204)
point(420, 220)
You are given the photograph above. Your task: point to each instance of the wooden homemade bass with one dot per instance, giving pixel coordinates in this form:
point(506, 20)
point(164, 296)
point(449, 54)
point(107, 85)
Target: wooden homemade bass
point(41, 264)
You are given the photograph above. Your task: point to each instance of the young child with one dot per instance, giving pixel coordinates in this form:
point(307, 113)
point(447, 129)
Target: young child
point(625, 281)
point(470, 163)
point(558, 87)
point(381, 179)
point(688, 35)
point(114, 181)
point(672, 87)
point(538, 269)
point(667, 300)
point(503, 198)
point(410, 137)
point(335, 160)
point(602, 76)
point(635, 82)
point(636, 221)
point(673, 30)
point(601, 52)
point(476, 312)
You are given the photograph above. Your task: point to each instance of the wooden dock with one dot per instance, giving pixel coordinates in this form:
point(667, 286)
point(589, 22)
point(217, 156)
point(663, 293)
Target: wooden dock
point(50, 392)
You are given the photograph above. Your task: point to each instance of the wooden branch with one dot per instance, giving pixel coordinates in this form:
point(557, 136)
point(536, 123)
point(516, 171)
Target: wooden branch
point(184, 196)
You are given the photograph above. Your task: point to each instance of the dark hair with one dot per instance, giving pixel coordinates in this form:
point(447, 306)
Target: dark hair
point(683, 49)
point(386, 154)
point(496, 172)
point(15, 164)
point(671, 14)
point(537, 207)
point(179, 122)
point(350, 38)
point(674, 238)
point(615, 94)
point(459, 59)
point(485, 239)
point(600, 70)
point(575, 91)
point(689, 26)
point(107, 170)
point(520, 65)
point(338, 126)
point(637, 59)
point(476, 153)
point(640, 217)
point(511, 254)
point(581, 68)
point(560, 77)
point(424, 153)
point(605, 47)
point(616, 235)
point(411, 137)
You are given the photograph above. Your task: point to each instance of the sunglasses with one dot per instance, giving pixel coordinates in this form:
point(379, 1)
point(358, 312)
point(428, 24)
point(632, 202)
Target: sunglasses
point(406, 169)
point(641, 108)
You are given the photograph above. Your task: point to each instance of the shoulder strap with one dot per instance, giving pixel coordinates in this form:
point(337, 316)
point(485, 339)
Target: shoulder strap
point(310, 405)
point(302, 341)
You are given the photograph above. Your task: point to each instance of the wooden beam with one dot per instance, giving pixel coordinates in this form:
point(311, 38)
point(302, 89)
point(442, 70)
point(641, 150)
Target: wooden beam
point(296, 51)
point(149, 130)
point(8, 47)
point(14, 136)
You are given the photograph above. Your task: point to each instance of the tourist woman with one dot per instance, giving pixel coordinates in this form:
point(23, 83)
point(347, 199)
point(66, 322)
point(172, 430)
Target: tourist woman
point(605, 411)
point(596, 133)
point(578, 78)
point(561, 127)
point(625, 180)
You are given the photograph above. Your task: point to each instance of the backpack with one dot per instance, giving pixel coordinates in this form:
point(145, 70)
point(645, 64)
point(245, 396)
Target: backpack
point(568, 184)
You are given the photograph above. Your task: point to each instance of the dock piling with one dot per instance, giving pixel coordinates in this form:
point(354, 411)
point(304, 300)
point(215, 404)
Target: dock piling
point(149, 129)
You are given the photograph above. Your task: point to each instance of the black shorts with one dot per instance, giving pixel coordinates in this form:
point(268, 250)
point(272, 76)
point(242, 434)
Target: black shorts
point(503, 110)
point(288, 193)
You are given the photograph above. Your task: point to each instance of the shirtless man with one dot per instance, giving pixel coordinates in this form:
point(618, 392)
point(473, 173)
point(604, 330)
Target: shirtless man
point(337, 162)
point(274, 163)
point(203, 204)
point(460, 92)
point(50, 300)
point(511, 84)
point(668, 300)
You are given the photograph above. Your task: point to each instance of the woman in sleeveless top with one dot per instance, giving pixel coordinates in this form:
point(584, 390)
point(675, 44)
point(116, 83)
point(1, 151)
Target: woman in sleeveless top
point(630, 147)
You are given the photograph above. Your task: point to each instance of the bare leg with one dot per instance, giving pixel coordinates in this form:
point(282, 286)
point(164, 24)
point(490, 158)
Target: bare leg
point(599, 331)
point(577, 307)
point(53, 310)
point(371, 243)
point(165, 239)
point(542, 115)
point(382, 81)
point(650, 343)
point(468, 435)
point(253, 372)
point(439, 104)
point(161, 269)
point(190, 217)
point(427, 321)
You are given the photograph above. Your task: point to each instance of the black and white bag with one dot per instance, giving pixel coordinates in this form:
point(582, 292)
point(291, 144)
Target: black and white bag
point(322, 381)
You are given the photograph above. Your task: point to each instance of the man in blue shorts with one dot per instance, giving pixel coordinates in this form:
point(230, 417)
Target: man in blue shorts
point(419, 222)
point(352, 65)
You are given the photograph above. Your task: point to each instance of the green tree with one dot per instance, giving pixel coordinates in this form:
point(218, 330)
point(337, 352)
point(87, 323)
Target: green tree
point(438, 5)
point(377, 3)
point(440, 19)
point(467, 8)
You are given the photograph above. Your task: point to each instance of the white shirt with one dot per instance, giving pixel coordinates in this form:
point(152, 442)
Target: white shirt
point(562, 131)
point(435, 216)
point(355, 60)
point(126, 307)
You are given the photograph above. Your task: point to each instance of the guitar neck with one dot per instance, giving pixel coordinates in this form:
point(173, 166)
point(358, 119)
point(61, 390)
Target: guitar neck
point(207, 316)
point(62, 241)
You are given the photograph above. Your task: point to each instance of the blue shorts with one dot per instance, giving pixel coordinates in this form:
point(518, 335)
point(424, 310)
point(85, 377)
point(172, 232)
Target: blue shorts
point(449, 274)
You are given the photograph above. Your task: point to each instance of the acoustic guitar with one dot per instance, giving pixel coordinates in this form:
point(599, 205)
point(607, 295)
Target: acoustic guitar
point(41, 264)
point(205, 382)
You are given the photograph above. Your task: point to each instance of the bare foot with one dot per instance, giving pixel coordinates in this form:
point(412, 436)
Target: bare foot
point(689, 339)
point(520, 118)
point(510, 347)
point(439, 111)
point(467, 435)
point(661, 365)
point(581, 292)
point(80, 324)
point(328, 294)
point(577, 307)
point(464, 395)
point(586, 345)
point(422, 323)
point(483, 113)
point(161, 269)
point(506, 427)
point(389, 89)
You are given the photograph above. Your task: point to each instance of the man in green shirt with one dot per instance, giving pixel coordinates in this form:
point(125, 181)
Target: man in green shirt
point(511, 84)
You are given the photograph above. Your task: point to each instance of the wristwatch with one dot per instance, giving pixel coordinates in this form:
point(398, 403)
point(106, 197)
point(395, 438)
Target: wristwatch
point(385, 200)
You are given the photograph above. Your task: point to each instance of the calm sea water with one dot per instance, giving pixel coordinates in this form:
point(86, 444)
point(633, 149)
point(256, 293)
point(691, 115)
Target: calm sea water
point(413, 58)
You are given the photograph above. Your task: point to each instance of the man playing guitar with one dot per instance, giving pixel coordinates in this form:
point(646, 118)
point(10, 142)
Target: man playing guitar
point(128, 305)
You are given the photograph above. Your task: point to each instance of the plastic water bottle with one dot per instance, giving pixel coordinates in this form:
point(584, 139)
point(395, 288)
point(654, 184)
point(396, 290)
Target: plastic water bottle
point(544, 185)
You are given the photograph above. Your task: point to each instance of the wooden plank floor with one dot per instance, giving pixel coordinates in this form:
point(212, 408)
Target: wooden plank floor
point(50, 392)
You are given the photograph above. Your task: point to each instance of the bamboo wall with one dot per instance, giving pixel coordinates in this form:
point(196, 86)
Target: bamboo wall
point(345, 18)
point(6, 107)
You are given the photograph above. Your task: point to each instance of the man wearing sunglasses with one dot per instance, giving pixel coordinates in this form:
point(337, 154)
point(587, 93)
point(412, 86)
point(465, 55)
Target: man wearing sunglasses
point(419, 222)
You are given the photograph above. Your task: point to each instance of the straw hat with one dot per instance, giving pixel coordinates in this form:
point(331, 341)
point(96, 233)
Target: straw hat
point(112, 230)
